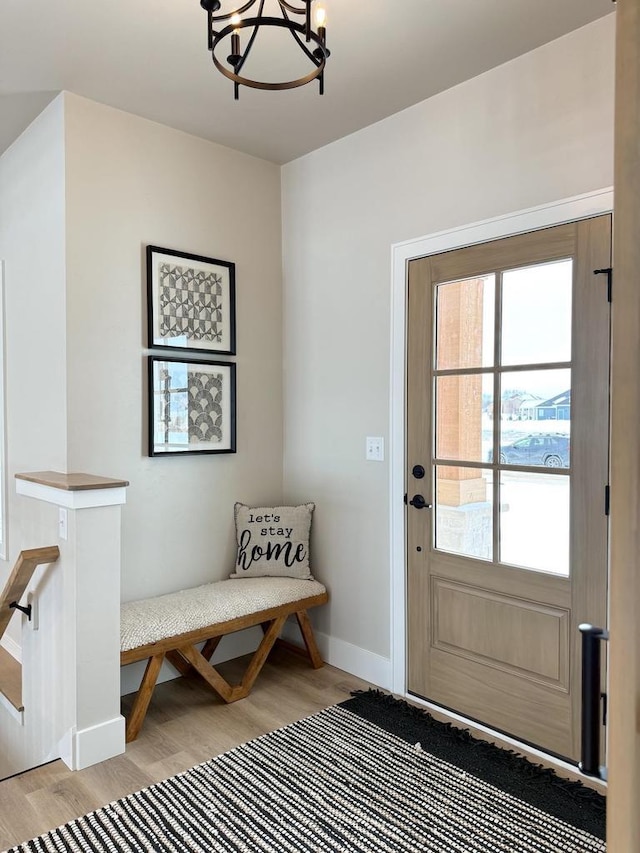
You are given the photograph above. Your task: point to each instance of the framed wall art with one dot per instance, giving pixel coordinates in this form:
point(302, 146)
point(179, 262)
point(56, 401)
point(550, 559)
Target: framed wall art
point(192, 407)
point(190, 302)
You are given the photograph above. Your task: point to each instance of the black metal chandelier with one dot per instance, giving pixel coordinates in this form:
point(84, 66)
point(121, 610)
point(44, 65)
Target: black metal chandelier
point(312, 43)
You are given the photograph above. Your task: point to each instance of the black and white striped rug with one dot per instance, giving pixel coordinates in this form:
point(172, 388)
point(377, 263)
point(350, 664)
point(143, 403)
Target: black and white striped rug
point(338, 781)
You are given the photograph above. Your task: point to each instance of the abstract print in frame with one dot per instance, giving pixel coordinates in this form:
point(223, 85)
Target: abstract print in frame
point(191, 302)
point(192, 407)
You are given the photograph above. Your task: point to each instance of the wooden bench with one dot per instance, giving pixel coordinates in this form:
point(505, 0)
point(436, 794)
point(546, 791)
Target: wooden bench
point(171, 626)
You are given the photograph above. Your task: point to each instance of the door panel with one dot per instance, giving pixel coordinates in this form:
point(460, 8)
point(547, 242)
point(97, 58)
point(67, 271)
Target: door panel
point(542, 720)
point(478, 625)
point(508, 359)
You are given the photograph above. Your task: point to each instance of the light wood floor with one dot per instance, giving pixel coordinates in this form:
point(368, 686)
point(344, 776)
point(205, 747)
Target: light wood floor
point(186, 724)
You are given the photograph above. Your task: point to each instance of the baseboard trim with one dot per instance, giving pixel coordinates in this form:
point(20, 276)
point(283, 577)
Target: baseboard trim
point(96, 743)
point(355, 660)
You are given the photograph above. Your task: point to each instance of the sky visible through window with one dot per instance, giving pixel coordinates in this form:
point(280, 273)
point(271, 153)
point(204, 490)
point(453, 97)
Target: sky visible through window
point(536, 323)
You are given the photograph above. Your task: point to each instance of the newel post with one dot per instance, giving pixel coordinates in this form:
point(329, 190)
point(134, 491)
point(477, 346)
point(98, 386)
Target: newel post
point(89, 510)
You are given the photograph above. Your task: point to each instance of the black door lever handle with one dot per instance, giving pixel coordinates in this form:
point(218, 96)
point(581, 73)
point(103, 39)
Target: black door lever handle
point(419, 502)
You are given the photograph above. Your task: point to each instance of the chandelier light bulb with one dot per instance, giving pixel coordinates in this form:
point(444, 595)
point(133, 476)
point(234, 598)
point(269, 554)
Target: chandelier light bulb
point(321, 16)
point(235, 19)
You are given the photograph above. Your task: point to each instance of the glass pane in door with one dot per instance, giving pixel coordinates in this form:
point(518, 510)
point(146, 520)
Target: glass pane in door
point(464, 511)
point(535, 424)
point(536, 313)
point(464, 404)
point(465, 321)
point(534, 521)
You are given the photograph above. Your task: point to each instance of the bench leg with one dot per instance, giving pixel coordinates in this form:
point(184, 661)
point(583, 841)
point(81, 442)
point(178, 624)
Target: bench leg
point(311, 647)
point(261, 654)
point(143, 697)
point(222, 687)
point(209, 647)
point(306, 629)
point(184, 666)
point(175, 659)
point(209, 673)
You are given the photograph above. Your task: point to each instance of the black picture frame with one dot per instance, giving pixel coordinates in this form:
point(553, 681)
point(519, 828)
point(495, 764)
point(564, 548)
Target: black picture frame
point(191, 302)
point(192, 406)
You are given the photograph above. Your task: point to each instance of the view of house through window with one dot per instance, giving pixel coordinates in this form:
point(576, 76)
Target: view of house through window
point(503, 416)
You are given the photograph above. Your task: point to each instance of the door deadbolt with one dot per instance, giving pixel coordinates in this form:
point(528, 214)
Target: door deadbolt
point(418, 471)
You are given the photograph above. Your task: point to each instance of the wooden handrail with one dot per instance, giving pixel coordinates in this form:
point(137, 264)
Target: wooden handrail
point(20, 577)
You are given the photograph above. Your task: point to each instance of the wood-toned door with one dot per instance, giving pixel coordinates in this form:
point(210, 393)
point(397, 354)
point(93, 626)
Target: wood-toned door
point(507, 465)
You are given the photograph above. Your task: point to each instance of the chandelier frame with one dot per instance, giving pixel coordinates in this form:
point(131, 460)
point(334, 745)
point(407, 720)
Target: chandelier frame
point(302, 33)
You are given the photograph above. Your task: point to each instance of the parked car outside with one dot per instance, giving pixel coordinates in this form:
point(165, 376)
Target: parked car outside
point(551, 450)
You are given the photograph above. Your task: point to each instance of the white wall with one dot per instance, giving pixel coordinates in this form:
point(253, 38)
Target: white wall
point(537, 129)
point(32, 234)
point(131, 182)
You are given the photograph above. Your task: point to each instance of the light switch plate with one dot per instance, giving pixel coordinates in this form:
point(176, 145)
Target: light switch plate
point(375, 448)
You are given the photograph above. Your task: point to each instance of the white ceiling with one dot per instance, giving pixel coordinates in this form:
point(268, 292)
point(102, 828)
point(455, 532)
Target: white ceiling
point(149, 57)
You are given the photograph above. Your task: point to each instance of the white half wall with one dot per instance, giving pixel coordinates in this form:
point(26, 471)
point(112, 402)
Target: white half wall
point(537, 129)
point(132, 182)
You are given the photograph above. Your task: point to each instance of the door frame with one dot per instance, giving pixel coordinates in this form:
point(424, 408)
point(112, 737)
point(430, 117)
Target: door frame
point(567, 210)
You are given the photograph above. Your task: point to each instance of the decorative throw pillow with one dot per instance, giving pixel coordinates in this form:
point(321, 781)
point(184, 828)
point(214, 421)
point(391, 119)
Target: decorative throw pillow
point(273, 541)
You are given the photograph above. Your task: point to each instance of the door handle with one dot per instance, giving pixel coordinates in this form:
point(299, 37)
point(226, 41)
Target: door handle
point(591, 698)
point(419, 502)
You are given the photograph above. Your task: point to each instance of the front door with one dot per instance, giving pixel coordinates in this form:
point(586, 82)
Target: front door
point(507, 452)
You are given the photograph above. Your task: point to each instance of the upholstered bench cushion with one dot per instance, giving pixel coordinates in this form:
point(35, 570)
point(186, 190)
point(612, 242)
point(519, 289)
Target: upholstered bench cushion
point(153, 619)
